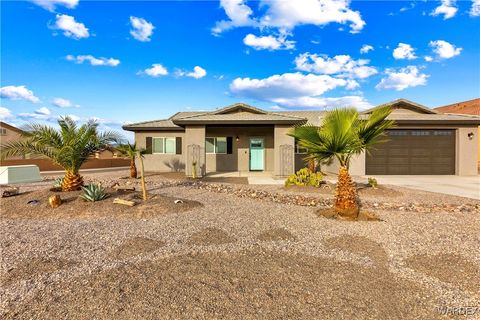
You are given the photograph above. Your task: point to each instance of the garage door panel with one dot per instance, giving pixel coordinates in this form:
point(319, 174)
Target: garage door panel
point(414, 152)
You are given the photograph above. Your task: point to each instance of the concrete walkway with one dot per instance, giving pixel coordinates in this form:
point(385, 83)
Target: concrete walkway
point(468, 187)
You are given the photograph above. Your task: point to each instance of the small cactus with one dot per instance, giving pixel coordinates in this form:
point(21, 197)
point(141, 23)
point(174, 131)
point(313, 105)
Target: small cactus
point(93, 192)
point(58, 182)
point(304, 177)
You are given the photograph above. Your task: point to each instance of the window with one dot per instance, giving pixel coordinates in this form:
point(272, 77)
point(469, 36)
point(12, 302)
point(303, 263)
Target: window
point(163, 145)
point(299, 149)
point(216, 145)
point(3, 131)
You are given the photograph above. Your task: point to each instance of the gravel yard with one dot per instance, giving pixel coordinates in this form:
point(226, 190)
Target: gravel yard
point(239, 252)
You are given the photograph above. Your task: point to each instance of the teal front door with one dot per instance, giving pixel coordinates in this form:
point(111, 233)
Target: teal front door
point(257, 154)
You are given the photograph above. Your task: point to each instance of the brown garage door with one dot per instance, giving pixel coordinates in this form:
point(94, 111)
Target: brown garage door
point(414, 152)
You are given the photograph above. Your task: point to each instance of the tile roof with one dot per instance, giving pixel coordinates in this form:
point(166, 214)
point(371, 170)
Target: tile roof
point(240, 117)
point(465, 107)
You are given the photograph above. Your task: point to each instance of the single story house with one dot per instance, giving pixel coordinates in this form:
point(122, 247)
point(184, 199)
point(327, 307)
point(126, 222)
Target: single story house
point(244, 138)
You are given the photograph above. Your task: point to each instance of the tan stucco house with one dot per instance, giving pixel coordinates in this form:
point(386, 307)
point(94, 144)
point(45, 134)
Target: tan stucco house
point(244, 138)
point(9, 133)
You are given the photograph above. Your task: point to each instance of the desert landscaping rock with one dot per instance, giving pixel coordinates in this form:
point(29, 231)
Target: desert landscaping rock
point(276, 234)
point(136, 246)
point(227, 258)
point(210, 236)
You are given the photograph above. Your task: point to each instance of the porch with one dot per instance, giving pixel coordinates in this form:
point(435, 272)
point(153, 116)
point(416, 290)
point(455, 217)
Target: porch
point(242, 150)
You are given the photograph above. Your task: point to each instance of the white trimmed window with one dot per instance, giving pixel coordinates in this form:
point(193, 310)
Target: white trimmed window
point(162, 145)
point(217, 145)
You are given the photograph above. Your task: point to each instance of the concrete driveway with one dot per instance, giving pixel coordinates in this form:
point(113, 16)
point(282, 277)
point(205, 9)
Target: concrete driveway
point(468, 187)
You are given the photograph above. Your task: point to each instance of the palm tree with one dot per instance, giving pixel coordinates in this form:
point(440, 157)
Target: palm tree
point(69, 147)
point(131, 151)
point(343, 134)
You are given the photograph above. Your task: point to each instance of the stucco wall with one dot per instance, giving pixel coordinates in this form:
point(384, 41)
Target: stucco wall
point(467, 152)
point(239, 159)
point(162, 162)
point(195, 135)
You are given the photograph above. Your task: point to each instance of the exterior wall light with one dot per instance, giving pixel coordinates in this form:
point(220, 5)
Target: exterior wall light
point(237, 138)
point(470, 135)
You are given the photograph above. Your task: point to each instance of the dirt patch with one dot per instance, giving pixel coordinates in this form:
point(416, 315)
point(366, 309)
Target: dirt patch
point(136, 246)
point(361, 246)
point(364, 190)
point(362, 216)
point(75, 207)
point(210, 236)
point(245, 285)
point(29, 268)
point(449, 268)
point(276, 235)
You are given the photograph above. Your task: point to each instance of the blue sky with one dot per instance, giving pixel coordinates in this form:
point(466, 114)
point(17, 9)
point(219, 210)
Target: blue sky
point(130, 61)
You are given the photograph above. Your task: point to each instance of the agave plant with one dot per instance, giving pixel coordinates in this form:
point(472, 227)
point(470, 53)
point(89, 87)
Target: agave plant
point(93, 192)
point(342, 135)
point(69, 147)
point(58, 182)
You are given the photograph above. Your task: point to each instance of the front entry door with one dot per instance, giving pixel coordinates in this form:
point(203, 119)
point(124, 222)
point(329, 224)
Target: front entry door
point(257, 154)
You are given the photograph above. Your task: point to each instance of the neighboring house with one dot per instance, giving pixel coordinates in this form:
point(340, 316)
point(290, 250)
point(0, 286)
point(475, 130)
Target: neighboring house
point(471, 107)
point(9, 133)
point(244, 138)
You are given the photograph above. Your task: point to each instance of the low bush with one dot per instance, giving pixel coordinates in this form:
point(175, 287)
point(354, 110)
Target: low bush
point(305, 177)
point(372, 182)
point(93, 192)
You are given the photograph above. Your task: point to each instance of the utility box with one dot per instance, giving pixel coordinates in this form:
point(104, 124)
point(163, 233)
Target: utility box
point(19, 174)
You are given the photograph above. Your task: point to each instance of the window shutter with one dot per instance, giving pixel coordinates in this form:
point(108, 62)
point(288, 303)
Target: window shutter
point(229, 145)
point(148, 145)
point(178, 145)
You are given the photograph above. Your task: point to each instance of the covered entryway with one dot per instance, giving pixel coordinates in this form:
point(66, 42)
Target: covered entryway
point(414, 152)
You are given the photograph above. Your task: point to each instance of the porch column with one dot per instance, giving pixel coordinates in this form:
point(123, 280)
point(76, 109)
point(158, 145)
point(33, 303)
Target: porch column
point(284, 151)
point(467, 151)
point(195, 146)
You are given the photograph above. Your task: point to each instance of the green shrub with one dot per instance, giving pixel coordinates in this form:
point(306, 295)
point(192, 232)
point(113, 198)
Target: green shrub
point(304, 177)
point(372, 182)
point(58, 182)
point(93, 192)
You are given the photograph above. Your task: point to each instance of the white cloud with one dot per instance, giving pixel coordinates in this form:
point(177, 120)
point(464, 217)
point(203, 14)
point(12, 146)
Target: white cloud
point(142, 29)
point(64, 103)
point(447, 8)
point(404, 51)
point(358, 102)
point(366, 48)
point(289, 88)
point(286, 15)
point(43, 111)
point(444, 49)
point(197, 73)
point(156, 70)
point(110, 62)
point(475, 9)
point(341, 65)
point(268, 42)
point(428, 58)
point(289, 14)
point(238, 13)
point(5, 113)
point(52, 4)
point(18, 93)
point(70, 27)
point(402, 79)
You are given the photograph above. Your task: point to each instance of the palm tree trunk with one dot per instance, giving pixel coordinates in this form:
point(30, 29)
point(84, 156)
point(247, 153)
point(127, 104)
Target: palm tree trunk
point(133, 169)
point(72, 181)
point(346, 203)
